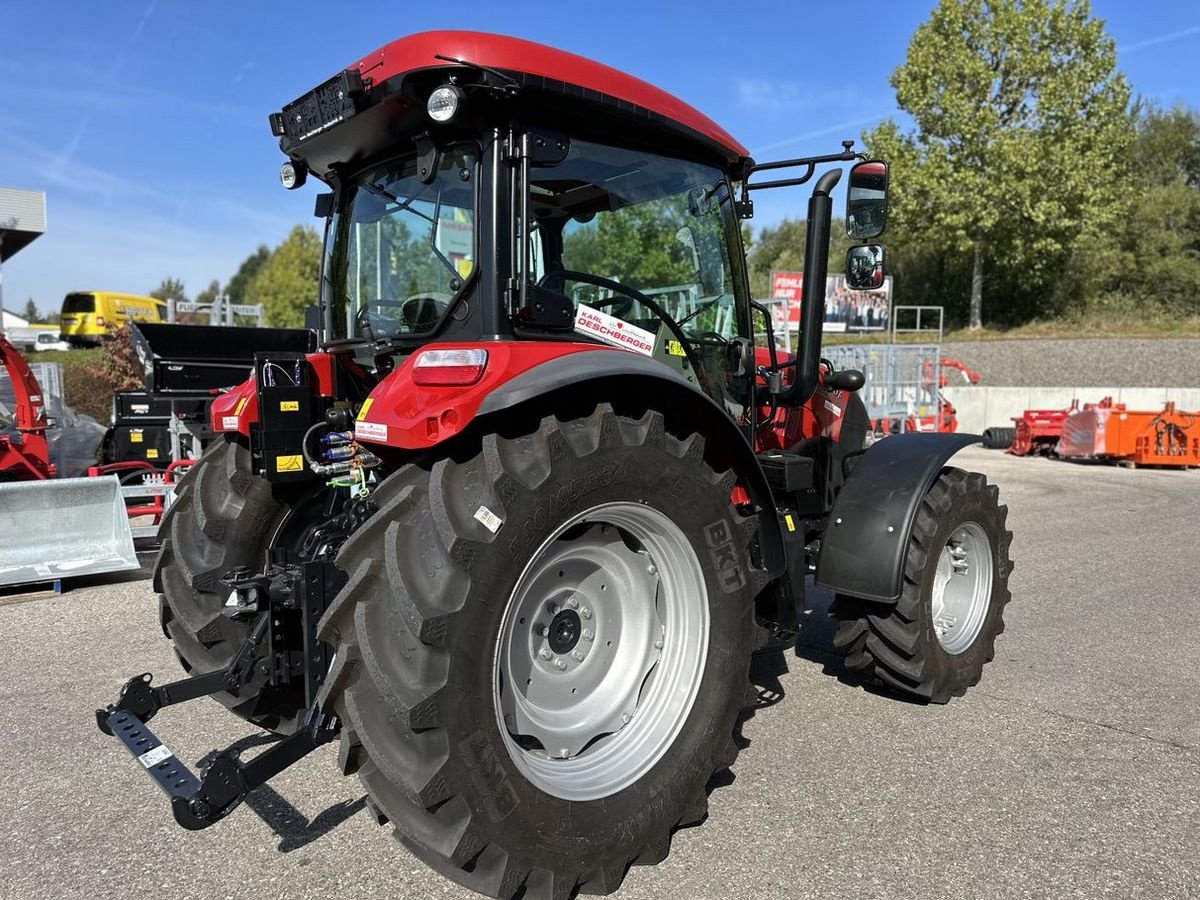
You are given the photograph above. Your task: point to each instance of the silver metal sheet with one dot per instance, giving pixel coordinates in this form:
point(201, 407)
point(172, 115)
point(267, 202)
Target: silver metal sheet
point(63, 528)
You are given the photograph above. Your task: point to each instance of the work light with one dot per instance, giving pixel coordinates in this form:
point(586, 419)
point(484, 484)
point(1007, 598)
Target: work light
point(443, 103)
point(292, 174)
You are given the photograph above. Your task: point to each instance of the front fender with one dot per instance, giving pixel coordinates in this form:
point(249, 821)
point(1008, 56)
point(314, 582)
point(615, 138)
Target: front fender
point(626, 379)
point(864, 545)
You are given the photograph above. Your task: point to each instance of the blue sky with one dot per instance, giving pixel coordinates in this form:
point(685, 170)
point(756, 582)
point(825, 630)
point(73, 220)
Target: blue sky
point(146, 122)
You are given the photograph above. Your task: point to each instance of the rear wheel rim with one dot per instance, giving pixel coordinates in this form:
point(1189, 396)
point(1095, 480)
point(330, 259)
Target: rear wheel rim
point(962, 587)
point(601, 651)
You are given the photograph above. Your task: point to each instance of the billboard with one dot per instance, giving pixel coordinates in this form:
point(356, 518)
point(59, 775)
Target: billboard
point(845, 310)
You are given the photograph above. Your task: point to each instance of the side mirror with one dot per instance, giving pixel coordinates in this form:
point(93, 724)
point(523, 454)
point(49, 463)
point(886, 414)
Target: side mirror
point(866, 200)
point(864, 267)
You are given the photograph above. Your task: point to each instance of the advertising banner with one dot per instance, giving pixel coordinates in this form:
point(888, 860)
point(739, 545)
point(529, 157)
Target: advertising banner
point(845, 310)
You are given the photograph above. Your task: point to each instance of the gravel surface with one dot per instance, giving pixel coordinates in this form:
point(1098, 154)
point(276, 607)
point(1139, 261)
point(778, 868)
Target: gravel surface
point(1071, 771)
point(1103, 362)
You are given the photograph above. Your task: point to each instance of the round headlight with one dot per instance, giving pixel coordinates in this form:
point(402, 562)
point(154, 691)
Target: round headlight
point(292, 174)
point(443, 103)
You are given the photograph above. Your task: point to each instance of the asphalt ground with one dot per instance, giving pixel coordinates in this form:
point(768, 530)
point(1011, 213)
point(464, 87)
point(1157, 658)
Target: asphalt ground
point(1071, 771)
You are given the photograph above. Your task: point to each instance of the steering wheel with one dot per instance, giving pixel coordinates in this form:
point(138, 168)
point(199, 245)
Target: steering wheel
point(418, 313)
point(633, 294)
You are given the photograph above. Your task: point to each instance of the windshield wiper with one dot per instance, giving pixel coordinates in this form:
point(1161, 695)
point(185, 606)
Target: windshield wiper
point(401, 205)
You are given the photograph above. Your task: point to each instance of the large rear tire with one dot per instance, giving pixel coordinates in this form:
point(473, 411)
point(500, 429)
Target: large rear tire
point(223, 517)
point(542, 650)
point(932, 644)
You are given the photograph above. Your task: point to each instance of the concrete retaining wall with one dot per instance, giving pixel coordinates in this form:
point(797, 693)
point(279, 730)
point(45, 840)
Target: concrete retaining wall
point(980, 407)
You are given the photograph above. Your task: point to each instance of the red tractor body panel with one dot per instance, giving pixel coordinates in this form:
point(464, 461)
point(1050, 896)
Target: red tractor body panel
point(27, 456)
point(402, 413)
point(495, 51)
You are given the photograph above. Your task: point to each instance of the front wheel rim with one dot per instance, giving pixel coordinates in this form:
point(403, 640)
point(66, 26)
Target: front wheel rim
point(962, 587)
point(601, 651)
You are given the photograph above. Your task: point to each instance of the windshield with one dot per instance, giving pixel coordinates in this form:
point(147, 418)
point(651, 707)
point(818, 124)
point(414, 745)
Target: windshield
point(405, 248)
point(79, 303)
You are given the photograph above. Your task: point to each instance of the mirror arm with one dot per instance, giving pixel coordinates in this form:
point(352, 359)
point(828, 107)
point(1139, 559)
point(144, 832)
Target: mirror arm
point(745, 205)
point(812, 302)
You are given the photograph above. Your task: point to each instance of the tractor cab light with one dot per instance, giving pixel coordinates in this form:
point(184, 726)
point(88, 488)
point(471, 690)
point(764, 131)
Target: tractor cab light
point(292, 174)
point(444, 102)
point(442, 368)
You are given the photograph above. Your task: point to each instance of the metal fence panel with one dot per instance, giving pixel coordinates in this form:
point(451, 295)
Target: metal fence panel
point(901, 379)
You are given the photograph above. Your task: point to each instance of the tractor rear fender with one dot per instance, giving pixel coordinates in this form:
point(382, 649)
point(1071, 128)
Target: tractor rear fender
point(864, 545)
point(633, 384)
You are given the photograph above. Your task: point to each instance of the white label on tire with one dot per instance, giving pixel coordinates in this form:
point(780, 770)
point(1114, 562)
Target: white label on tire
point(152, 758)
point(490, 520)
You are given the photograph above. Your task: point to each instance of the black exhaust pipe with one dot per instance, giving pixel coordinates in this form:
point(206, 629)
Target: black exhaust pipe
point(812, 296)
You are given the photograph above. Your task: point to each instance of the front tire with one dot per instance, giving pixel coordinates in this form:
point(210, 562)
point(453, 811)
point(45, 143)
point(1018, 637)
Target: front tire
point(932, 644)
point(466, 736)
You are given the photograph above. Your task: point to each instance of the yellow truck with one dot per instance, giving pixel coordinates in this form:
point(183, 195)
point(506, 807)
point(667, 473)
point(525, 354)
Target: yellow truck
point(88, 316)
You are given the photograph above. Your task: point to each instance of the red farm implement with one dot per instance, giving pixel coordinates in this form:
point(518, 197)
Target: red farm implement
point(1107, 430)
point(1038, 430)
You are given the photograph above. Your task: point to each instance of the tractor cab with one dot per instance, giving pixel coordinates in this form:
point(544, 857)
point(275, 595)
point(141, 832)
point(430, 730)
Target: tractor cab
point(486, 188)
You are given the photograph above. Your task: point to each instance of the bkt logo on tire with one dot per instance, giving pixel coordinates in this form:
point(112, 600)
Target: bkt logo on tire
point(724, 556)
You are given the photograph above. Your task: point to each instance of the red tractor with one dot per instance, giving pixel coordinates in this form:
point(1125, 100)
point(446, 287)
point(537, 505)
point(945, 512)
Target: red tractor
point(512, 535)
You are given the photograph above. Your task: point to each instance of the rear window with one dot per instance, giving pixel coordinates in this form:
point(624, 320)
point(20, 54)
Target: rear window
point(79, 303)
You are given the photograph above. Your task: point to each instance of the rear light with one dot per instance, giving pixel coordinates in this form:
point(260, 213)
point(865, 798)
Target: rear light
point(433, 368)
point(100, 321)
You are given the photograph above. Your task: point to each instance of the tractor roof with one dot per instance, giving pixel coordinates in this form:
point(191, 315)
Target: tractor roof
point(555, 74)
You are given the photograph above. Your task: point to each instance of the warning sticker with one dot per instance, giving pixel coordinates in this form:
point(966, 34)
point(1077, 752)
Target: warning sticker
point(675, 348)
point(489, 519)
point(152, 758)
point(362, 413)
point(229, 423)
point(241, 404)
point(370, 431)
point(135, 437)
point(289, 463)
point(151, 453)
point(289, 405)
point(612, 330)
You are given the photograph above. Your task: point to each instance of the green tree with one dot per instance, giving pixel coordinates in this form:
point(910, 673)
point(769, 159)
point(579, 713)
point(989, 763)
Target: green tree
point(170, 289)
point(287, 282)
point(1021, 124)
point(781, 248)
point(210, 293)
point(240, 282)
point(30, 313)
point(1149, 263)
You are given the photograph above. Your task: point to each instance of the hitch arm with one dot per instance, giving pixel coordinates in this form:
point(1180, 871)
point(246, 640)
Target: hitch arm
point(197, 802)
point(142, 701)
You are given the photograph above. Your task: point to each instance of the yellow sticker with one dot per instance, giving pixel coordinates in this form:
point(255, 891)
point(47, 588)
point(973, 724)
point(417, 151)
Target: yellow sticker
point(289, 463)
point(790, 524)
point(241, 404)
point(151, 453)
point(676, 349)
point(289, 405)
point(135, 437)
point(362, 413)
